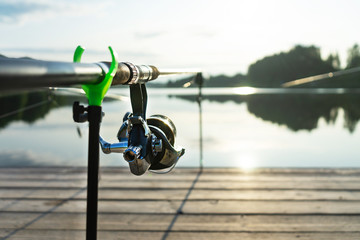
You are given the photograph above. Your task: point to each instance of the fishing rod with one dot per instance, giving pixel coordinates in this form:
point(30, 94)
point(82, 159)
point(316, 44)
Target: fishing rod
point(25, 73)
point(146, 143)
point(325, 76)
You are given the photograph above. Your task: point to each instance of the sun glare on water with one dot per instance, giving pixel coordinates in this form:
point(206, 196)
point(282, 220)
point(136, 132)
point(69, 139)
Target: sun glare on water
point(244, 90)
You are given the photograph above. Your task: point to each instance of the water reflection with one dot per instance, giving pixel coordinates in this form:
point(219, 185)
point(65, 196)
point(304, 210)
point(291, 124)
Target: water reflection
point(27, 158)
point(29, 106)
point(297, 110)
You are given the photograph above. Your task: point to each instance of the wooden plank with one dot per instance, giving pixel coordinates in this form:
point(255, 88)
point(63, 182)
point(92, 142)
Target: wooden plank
point(45, 205)
point(147, 184)
point(180, 171)
point(4, 232)
point(272, 207)
point(46, 235)
point(104, 206)
point(197, 207)
point(5, 203)
point(60, 194)
point(134, 222)
point(273, 177)
point(39, 184)
point(280, 171)
point(42, 176)
point(210, 223)
point(11, 193)
point(261, 236)
point(141, 195)
point(39, 170)
point(190, 177)
point(172, 176)
point(272, 195)
point(29, 206)
point(122, 176)
point(229, 177)
point(187, 173)
point(16, 220)
point(37, 193)
point(169, 206)
point(74, 235)
point(196, 194)
point(208, 180)
point(289, 184)
point(154, 235)
point(278, 185)
point(82, 183)
point(264, 223)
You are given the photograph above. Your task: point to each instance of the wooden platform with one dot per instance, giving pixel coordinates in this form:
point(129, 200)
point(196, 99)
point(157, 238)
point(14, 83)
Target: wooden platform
point(49, 203)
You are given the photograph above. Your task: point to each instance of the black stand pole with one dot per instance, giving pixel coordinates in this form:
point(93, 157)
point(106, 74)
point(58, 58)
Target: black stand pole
point(200, 128)
point(199, 80)
point(94, 118)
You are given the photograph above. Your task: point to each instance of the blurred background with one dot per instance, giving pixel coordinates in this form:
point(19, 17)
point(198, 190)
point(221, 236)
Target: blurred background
point(236, 44)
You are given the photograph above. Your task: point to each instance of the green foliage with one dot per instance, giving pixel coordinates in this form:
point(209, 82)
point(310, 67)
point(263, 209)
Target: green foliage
point(334, 61)
point(353, 59)
point(299, 62)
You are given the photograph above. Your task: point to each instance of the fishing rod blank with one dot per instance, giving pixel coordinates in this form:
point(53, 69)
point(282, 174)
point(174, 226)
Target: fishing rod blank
point(25, 73)
point(167, 72)
point(29, 73)
point(325, 76)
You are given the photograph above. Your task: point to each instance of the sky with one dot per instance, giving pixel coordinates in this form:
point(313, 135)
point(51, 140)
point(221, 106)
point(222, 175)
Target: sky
point(218, 37)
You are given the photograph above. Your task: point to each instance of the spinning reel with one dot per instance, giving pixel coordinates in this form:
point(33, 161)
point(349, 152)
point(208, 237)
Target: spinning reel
point(146, 143)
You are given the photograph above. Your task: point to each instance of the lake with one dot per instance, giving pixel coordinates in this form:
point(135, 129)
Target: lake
point(240, 129)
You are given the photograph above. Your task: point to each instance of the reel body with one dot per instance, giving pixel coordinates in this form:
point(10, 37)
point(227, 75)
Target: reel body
point(153, 148)
point(145, 144)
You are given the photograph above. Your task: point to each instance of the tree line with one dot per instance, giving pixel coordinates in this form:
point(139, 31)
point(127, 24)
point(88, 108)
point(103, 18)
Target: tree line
point(299, 62)
point(296, 111)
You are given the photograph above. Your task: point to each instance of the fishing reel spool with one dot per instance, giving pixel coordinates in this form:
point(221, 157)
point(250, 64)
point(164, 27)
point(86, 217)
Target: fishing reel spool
point(146, 144)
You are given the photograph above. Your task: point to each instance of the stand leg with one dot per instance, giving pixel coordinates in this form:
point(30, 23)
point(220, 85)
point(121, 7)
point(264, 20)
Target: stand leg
point(94, 118)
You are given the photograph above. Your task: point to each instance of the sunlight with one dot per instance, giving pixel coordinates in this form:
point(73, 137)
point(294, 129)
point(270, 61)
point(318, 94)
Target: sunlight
point(244, 90)
point(246, 162)
point(186, 85)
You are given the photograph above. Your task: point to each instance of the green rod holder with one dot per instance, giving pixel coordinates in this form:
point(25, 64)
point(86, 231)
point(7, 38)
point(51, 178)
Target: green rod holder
point(95, 93)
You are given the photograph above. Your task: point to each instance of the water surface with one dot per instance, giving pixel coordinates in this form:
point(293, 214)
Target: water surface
point(268, 129)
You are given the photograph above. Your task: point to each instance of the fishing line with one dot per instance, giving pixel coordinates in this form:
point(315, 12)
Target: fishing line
point(25, 108)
